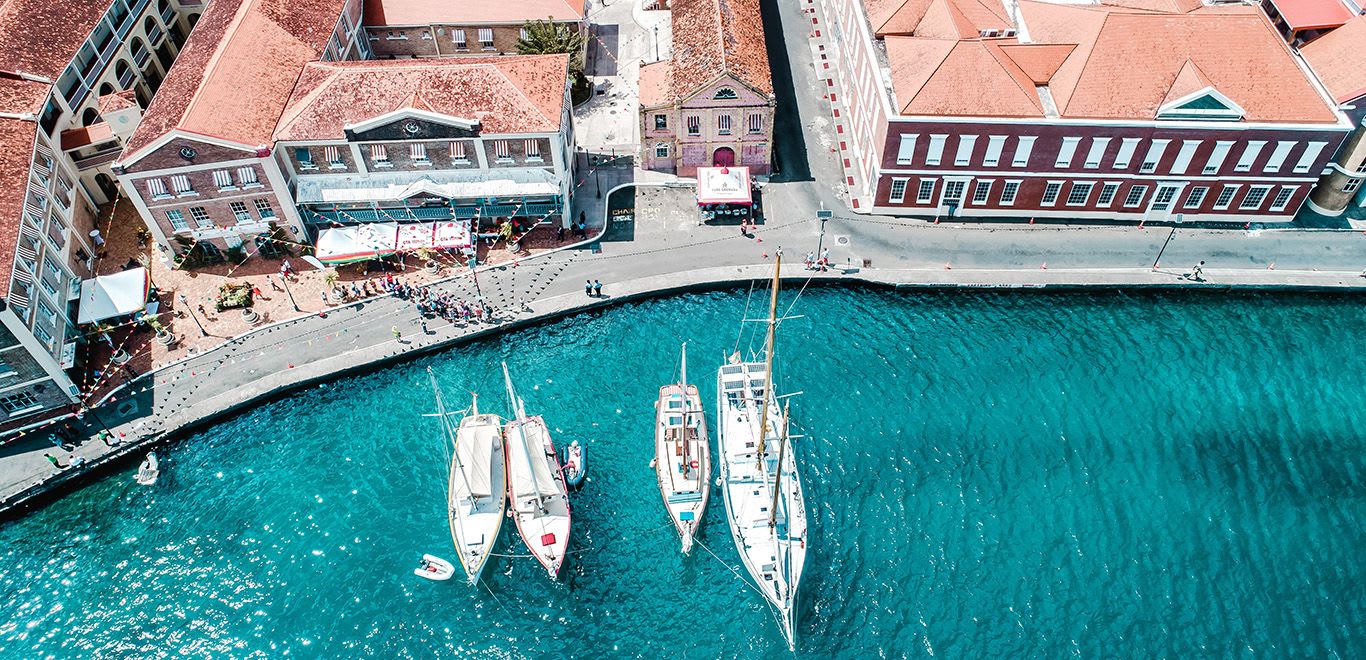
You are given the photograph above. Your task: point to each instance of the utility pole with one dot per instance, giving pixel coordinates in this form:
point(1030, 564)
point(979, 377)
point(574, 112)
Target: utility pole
point(186, 302)
point(1164, 247)
point(289, 293)
point(822, 215)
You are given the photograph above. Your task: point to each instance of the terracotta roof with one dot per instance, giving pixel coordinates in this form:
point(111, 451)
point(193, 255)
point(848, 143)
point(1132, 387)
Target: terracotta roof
point(237, 70)
point(41, 36)
point(712, 38)
point(959, 78)
point(1038, 61)
point(22, 97)
point(73, 138)
point(513, 94)
point(434, 12)
point(1166, 6)
point(656, 83)
point(944, 19)
point(117, 101)
point(1313, 14)
point(1336, 58)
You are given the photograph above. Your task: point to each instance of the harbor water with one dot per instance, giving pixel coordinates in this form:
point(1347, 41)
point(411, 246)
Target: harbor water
point(987, 475)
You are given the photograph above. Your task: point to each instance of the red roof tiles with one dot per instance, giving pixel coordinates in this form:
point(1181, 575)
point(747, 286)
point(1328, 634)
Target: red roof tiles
point(712, 38)
point(41, 37)
point(656, 83)
point(20, 97)
point(1336, 59)
point(512, 94)
point(469, 12)
point(943, 19)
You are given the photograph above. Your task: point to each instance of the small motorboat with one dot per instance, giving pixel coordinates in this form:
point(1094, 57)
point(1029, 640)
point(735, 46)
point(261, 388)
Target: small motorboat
point(434, 568)
point(148, 471)
point(575, 469)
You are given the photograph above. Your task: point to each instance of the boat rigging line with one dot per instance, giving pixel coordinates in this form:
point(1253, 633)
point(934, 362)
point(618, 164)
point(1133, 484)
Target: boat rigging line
point(741, 334)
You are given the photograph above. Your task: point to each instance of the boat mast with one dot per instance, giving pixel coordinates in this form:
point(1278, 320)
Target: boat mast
point(778, 477)
point(451, 437)
point(768, 361)
point(683, 387)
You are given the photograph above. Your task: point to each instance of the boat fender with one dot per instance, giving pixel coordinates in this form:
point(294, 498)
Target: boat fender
point(694, 465)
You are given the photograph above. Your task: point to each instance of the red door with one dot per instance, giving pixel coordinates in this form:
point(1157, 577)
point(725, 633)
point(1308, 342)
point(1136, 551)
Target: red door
point(723, 157)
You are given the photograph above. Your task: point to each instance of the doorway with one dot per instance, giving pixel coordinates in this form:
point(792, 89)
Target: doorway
point(723, 157)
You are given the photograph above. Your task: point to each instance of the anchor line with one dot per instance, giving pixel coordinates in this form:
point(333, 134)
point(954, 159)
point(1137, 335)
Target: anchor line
point(741, 336)
point(495, 554)
point(737, 574)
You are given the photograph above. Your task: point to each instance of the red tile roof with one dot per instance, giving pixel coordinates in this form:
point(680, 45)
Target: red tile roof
point(17, 97)
point(117, 101)
point(512, 94)
point(1336, 58)
point(469, 12)
point(73, 138)
point(656, 83)
point(959, 79)
point(237, 70)
point(41, 36)
point(712, 38)
point(1313, 14)
point(944, 19)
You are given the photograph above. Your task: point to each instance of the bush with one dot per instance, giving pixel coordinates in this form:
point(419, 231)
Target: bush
point(232, 296)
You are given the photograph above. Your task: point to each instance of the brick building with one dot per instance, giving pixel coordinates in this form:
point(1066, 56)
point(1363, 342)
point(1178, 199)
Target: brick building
point(1137, 110)
point(441, 28)
point(72, 78)
point(1336, 59)
point(712, 102)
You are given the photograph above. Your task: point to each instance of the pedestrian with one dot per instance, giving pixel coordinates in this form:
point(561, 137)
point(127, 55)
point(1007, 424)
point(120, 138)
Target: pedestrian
point(588, 288)
point(255, 292)
point(825, 259)
point(1197, 271)
point(559, 234)
point(810, 261)
point(424, 327)
point(324, 295)
point(597, 289)
point(398, 334)
point(582, 224)
point(521, 304)
point(54, 461)
point(780, 251)
point(271, 281)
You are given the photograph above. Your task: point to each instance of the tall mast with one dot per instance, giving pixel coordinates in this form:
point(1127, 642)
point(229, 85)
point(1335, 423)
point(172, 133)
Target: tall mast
point(778, 476)
point(768, 360)
point(683, 387)
point(451, 437)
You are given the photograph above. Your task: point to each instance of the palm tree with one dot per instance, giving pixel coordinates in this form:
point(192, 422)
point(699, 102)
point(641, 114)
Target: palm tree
point(546, 37)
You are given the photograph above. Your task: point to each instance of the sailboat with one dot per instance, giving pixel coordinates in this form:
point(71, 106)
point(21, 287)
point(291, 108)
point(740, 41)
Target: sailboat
point(536, 486)
point(760, 483)
point(682, 455)
point(475, 502)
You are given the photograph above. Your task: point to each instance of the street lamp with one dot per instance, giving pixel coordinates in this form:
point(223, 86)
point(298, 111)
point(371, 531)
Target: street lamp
point(1164, 246)
point(289, 293)
point(186, 302)
point(822, 215)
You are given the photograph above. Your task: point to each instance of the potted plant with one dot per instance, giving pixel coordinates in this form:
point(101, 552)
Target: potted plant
point(120, 356)
point(428, 257)
point(330, 281)
point(250, 316)
point(163, 337)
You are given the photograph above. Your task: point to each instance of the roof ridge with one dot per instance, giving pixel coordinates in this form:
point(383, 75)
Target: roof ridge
point(1007, 62)
point(1062, 112)
point(307, 99)
point(522, 93)
point(937, 67)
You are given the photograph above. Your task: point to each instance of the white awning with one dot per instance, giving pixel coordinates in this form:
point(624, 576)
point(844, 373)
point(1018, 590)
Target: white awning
point(723, 185)
point(108, 296)
point(398, 186)
point(360, 242)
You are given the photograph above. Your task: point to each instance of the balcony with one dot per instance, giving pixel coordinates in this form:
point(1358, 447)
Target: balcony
point(101, 157)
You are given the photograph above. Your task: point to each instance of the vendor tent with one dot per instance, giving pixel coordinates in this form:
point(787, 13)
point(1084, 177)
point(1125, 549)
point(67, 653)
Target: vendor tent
point(723, 185)
point(451, 234)
point(344, 245)
point(108, 296)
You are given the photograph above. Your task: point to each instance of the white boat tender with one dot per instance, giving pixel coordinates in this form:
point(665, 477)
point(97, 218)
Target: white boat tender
point(148, 471)
point(476, 501)
point(760, 483)
point(434, 568)
point(682, 455)
point(536, 486)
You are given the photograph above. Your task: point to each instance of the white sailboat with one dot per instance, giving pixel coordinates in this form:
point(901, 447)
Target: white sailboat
point(476, 504)
point(760, 483)
point(536, 486)
point(682, 454)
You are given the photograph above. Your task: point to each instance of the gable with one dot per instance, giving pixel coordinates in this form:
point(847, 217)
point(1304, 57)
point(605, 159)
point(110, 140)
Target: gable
point(726, 91)
point(184, 150)
point(1206, 104)
point(408, 126)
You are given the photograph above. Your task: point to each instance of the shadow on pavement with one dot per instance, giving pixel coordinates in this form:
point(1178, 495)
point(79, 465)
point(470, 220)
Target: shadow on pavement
point(621, 216)
point(789, 142)
point(603, 50)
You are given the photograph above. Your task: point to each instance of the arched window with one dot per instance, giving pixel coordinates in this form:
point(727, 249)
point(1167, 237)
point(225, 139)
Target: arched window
point(192, 19)
point(150, 27)
point(725, 93)
point(122, 70)
point(106, 89)
point(90, 116)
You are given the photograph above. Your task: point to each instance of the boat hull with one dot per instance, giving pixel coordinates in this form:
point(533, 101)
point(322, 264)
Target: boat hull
point(542, 522)
point(477, 521)
point(682, 460)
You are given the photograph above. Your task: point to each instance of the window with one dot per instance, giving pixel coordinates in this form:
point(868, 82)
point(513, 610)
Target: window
point(905, 151)
point(936, 152)
point(1278, 155)
point(1022, 151)
point(1254, 198)
point(264, 209)
point(1311, 154)
point(993, 155)
point(418, 152)
point(1097, 152)
point(458, 36)
point(756, 123)
point(661, 122)
point(181, 184)
point(1079, 193)
point(1225, 197)
point(1216, 157)
point(201, 217)
point(1126, 153)
point(725, 94)
point(662, 150)
point(458, 152)
point(395, 36)
point(953, 191)
point(1135, 196)
point(1282, 198)
point(1351, 185)
point(1154, 156)
point(1008, 192)
point(723, 124)
point(46, 312)
point(239, 212)
point(334, 158)
point(964, 155)
point(223, 179)
point(522, 33)
point(19, 402)
point(925, 192)
point(533, 149)
point(1254, 147)
point(501, 150)
point(305, 158)
point(43, 335)
point(5, 370)
point(1107, 194)
point(177, 220)
point(1196, 197)
point(898, 194)
point(982, 192)
point(1050, 193)
point(1065, 153)
point(1184, 156)
point(157, 189)
point(694, 125)
point(246, 177)
point(486, 38)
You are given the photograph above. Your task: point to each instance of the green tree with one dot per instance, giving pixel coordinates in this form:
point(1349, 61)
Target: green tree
point(546, 37)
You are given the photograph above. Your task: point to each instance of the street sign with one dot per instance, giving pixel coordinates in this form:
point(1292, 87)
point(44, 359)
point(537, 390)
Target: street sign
point(824, 214)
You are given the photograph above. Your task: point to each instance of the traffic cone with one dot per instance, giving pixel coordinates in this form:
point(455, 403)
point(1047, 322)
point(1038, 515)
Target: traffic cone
point(1031, 219)
point(948, 267)
point(1044, 266)
point(1272, 266)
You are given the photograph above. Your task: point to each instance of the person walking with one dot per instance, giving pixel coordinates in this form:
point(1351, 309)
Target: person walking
point(588, 288)
point(54, 461)
point(271, 281)
point(597, 289)
point(1197, 272)
point(398, 334)
point(580, 230)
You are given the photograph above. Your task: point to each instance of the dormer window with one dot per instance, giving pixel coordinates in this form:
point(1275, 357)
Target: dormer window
point(725, 93)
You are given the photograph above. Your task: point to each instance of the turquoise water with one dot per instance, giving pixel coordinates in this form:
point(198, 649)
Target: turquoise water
point(993, 475)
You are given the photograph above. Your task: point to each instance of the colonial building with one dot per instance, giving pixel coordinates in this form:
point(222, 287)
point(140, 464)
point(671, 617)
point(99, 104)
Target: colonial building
point(711, 103)
point(69, 71)
point(1127, 110)
point(442, 28)
point(1336, 59)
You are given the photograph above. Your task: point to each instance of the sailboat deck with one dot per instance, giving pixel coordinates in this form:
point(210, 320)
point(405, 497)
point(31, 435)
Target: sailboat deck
point(477, 517)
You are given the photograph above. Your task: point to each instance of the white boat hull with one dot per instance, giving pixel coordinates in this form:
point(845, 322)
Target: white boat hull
point(543, 520)
point(477, 518)
point(682, 459)
point(437, 569)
